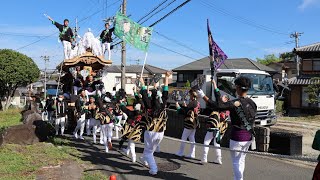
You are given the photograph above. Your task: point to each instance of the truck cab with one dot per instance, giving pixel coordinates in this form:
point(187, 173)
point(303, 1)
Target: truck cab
point(261, 91)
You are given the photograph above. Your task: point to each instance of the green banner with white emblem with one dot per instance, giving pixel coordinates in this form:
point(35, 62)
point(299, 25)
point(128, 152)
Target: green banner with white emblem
point(132, 32)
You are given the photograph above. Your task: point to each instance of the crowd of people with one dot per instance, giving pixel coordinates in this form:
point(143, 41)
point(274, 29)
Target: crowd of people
point(106, 112)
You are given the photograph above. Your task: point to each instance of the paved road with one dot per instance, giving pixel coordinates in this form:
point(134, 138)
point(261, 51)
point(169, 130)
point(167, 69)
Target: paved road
point(257, 168)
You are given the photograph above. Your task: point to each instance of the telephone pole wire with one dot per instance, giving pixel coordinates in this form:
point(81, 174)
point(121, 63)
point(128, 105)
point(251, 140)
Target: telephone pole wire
point(296, 36)
point(123, 52)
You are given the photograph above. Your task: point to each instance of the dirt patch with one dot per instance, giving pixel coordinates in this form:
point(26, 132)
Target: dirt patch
point(66, 171)
point(307, 129)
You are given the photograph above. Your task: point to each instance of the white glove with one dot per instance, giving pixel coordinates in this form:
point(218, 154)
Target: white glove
point(201, 93)
point(177, 105)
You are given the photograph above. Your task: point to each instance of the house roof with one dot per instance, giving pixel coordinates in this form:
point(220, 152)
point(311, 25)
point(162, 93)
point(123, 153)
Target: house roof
point(302, 81)
point(136, 69)
point(238, 63)
point(309, 48)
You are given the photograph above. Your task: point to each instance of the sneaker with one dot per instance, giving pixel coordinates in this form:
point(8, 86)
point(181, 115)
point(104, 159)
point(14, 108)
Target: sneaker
point(101, 142)
point(57, 134)
point(153, 172)
point(191, 156)
point(107, 150)
point(218, 161)
point(204, 161)
point(144, 162)
point(75, 135)
point(81, 138)
point(134, 159)
point(125, 151)
point(179, 154)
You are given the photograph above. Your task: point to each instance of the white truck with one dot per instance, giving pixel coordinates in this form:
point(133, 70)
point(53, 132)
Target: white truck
point(261, 91)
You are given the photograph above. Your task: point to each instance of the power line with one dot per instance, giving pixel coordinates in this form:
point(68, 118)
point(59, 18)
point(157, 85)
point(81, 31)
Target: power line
point(179, 43)
point(155, 8)
point(159, 11)
point(240, 19)
point(172, 51)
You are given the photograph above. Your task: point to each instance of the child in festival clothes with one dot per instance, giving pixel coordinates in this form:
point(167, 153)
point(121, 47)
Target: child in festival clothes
point(191, 122)
point(104, 115)
point(132, 129)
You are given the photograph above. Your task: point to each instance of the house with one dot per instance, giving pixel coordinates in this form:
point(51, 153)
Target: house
point(309, 68)
point(285, 69)
point(191, 71)
point(112, 76)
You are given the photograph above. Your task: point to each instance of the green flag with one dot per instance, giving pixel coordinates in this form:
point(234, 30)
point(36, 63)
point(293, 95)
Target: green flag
point(132, 32)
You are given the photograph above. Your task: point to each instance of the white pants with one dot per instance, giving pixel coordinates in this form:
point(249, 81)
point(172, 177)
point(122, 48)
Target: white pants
point(188, 134)
point(66, 49)
point(97, 92)
point(151, 141)
point(131, 149)
point(207, 139)
point(94, 124)
point(80, 125)
point(104, 46)
point(238, 158)
point(76, 89)
point(117, 127)
point(60, 121)
point(107, 133)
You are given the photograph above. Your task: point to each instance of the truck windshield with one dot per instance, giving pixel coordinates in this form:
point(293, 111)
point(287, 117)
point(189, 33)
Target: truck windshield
point(261, 83)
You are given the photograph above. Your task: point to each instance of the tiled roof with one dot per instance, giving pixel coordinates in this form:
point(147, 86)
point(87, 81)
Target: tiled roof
point(302, 81)
point(239, 63)
point(136, 69)
point(309, 48)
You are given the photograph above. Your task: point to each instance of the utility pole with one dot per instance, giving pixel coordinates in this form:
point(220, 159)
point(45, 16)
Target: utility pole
point(123, 52)
point(45, 58)
point(296, 36)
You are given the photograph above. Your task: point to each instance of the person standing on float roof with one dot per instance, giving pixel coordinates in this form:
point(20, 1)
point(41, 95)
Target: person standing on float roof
point(106, 39)
point(66, 36)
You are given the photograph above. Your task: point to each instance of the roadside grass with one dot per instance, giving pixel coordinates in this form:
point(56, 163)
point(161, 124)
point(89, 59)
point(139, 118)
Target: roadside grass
point(10, 117)
point(23, 162)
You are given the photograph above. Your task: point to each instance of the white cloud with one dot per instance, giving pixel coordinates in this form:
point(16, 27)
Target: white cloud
point(277, 50)
point(307, 3)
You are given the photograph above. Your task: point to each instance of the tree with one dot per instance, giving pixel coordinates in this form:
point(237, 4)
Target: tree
point(16, 70)
point(268, 59)
point(187, 85)
point(313, 91)
point(287, 56)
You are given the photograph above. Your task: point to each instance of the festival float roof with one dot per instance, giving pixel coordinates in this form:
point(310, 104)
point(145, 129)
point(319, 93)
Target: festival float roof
point(86, 59)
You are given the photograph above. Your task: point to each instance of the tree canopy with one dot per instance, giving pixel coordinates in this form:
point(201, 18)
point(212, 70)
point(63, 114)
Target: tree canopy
point(16, 70)
point(268, 59)
point(313, 91)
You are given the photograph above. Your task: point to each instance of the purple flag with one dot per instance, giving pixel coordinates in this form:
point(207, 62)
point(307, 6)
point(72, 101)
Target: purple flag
point(217, 56)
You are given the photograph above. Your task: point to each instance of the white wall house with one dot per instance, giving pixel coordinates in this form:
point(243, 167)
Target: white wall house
point(112, 76)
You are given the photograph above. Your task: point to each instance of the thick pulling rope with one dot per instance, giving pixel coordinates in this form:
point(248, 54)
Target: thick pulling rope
point(301, 158)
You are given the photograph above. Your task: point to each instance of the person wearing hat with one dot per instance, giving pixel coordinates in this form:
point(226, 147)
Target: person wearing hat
point(154, 121)
point(61, 113)
point(66, 36)
point(242, 114)
point(216, 125)
point(191, 122)
point(106, 39)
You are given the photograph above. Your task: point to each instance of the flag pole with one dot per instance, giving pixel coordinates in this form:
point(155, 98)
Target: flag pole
point(144, 63)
